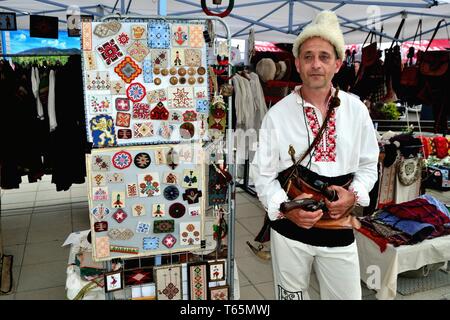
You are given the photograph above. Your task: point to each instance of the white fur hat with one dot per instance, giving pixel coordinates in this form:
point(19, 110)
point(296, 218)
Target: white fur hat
point(325, 26)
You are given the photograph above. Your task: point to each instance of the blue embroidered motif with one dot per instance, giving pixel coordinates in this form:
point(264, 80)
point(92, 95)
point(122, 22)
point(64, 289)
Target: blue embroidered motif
point(202, 106)
point(103, 131)
point(148, 71)
point(159, 35)
point(151, 243)
point(143, 227)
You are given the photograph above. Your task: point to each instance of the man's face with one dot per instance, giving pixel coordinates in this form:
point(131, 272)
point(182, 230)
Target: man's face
point(317, 63)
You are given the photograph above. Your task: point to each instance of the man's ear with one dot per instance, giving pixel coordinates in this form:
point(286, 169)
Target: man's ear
point(338, 65)
point(297, 64)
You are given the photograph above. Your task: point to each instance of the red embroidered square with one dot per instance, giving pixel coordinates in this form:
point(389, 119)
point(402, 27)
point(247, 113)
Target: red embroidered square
point(159, 112)
point(141, 111)
point(123, 119)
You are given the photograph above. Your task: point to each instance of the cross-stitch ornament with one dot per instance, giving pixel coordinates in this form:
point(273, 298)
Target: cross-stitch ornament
point(163, 226)
point(118, 199)
point(122, 159)
point(149, 185)
point(192, 195)
point(103, 131)
point(128, 70)
point(172, 158)
point(119, 215)
point(142, 160)
point(138, 210)
point(110, 52)
point(169, 241)
point(158, 210)
point(136, 92)
point(171, 193)
point(150, 243)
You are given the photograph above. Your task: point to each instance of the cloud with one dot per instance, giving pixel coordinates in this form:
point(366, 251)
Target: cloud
point(20, 37)
point(62, 45)
point(53, 43)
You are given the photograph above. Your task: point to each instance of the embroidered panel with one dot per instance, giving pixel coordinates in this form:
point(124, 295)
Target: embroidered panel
point(190, 233)
point(123, 119)
point(168, 283)
point(86, 36)
point(120, 234)
point(180, 35)
point(198, 281)
point(159, 35)
point(152, 62)
point(91, 62)
point(117, 87)
point(123, 39)
point(103, 131)
point(196, 40)
point(148, 71)
point(138, 210)
point(136, 92)
point(110, 52)
point(178, 59)
point(219, 293)
point(100, 211)
point(139, 32)
point(193, 57)
point(156, 96)
point(325, 150)
point(181, 97)
point(216, 270)
point(97, 80)
point(138, 51)
point(149, 184)
point(159, 58)
point(138, 276)
point(217, 187)
point(102, 247)
point(143, 130)
point(128, 70)
point(151, 243)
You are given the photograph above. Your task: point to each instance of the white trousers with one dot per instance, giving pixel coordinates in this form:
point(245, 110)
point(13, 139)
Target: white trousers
point(337, 269)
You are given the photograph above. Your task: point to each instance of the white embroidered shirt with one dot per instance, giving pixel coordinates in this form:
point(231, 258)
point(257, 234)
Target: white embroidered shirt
point(348, 145)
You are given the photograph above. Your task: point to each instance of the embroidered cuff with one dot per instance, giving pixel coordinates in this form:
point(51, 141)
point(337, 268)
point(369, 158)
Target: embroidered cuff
point(361, 194)
point(273, 205)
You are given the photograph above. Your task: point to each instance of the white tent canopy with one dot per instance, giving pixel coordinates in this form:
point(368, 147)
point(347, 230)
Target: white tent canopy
point(272, 20)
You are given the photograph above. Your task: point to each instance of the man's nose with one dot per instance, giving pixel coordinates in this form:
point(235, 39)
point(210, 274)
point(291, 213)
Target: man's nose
point(316, 63)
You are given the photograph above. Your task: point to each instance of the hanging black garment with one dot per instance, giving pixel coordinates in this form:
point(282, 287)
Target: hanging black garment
point(68, 141)
point(20, 154)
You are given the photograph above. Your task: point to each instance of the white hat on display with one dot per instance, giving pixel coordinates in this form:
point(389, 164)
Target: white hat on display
point(325, 26)
point(267, 69)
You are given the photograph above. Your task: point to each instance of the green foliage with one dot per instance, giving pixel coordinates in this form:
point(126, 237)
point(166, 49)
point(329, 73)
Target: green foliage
point(390, 111)
point(41, 60)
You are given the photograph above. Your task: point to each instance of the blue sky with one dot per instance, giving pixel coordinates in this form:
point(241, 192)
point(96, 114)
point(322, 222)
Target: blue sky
point(21, 40)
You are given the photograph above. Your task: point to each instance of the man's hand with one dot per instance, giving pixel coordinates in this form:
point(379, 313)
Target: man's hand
point(342, 206)
point(302, 218)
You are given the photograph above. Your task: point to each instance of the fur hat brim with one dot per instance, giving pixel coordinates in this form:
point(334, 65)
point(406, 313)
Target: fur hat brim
point(325, 26)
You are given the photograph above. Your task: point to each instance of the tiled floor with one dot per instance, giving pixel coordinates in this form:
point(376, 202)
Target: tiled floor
point(36, 220)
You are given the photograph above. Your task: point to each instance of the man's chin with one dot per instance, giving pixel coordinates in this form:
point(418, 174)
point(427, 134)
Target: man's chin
point(316, 86)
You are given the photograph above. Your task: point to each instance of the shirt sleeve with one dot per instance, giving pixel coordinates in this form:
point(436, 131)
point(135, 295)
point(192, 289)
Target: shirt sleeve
point(264, 169)
point(367, 173)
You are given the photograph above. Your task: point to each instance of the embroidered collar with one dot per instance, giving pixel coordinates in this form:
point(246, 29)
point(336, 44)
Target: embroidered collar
point(305, 103)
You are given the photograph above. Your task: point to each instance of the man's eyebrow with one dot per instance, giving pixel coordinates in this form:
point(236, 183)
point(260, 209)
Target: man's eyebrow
point(321, 52)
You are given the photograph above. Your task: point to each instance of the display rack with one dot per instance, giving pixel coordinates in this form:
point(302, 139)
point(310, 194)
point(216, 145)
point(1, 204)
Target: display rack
point(229, 155)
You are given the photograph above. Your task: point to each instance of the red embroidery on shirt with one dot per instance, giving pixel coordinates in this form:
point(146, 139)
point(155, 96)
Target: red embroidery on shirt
point(323, 152)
